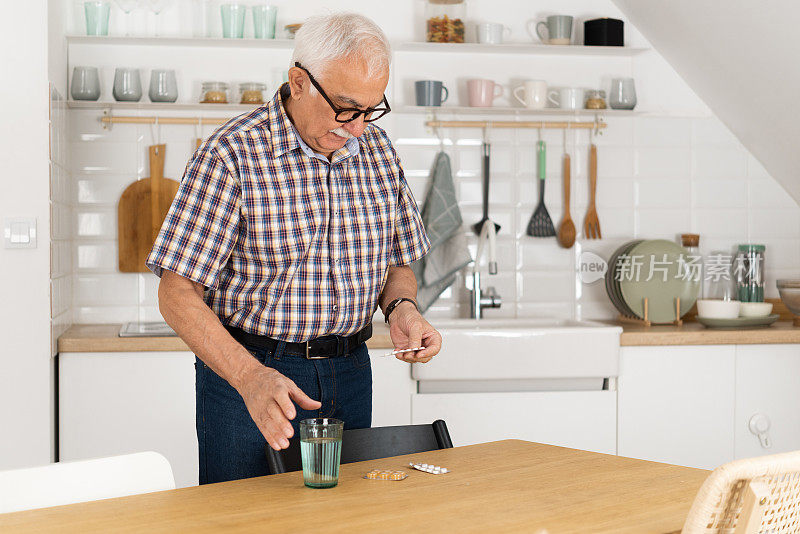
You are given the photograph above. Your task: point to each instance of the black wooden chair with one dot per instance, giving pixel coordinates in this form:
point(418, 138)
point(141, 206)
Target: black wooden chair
point(363, 444)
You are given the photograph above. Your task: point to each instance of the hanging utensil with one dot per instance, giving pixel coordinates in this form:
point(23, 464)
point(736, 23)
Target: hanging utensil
point(591, 224)
point(479, 225)
point(566, 230)
point(540, 224)
point(141, 211)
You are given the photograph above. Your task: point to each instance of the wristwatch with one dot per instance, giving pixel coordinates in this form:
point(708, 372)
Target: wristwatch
point(395, 303)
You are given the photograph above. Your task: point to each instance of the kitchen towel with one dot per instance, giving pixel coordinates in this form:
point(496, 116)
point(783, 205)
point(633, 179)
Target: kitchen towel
point(443, 223)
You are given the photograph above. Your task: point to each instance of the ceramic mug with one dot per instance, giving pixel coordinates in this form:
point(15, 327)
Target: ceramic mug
point(533, 94)
point(483, 92)
point(558, 30)
point(566, 98)
point(491, 33)
point(430, 92)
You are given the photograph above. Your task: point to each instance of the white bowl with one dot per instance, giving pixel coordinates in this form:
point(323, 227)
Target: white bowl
point(755, 309)
point(718, 309)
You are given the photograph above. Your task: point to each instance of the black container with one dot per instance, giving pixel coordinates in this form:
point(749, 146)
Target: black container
point(603, 32)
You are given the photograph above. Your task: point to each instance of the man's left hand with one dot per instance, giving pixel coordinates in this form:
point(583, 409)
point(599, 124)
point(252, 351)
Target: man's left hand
point(409, 329)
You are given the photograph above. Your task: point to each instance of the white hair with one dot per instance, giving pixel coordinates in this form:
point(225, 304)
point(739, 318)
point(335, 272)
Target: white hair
point(324, 39)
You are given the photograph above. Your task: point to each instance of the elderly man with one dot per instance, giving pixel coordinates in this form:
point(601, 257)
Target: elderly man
point(291, 224)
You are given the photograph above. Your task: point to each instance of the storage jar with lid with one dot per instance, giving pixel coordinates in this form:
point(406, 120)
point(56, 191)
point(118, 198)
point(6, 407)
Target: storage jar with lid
point(595, 99)
point(252, 92)
point(214, 93)
point(445, 21)
point(749, 273)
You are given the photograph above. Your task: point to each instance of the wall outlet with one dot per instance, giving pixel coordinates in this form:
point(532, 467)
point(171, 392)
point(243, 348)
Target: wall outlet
point(19, 232)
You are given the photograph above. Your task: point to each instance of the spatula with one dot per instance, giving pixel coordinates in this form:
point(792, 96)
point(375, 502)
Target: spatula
point(540, 224)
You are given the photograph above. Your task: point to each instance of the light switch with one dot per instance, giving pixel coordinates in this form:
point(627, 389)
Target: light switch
point(19, 232)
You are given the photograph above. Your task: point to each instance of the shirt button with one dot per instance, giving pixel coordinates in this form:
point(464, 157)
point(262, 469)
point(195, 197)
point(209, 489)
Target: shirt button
point(335, 307)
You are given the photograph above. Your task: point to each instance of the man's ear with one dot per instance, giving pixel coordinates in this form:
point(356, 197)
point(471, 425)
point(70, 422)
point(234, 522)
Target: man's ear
point(298, 82)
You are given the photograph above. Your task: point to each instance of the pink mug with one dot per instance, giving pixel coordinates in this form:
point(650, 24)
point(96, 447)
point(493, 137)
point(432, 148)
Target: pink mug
point(483, 92)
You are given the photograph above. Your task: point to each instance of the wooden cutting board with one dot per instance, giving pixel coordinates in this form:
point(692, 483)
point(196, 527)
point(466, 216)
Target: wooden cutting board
point(142, 209)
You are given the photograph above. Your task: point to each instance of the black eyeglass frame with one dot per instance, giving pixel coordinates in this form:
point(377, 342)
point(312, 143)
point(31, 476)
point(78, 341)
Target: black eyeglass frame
point(337, 110)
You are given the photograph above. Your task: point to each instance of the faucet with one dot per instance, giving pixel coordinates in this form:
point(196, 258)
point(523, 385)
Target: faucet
point(478, 298)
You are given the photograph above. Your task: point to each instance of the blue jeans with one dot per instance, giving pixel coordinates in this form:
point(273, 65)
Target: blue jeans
point(230, 444)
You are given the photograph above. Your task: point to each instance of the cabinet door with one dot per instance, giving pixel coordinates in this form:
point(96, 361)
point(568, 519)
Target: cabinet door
point(392, 387)
point(123, 402)
point(578, 419)
point(767, 378)
point(676, 404)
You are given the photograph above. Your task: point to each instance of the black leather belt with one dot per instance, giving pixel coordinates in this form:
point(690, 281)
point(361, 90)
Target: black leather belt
point(314, 349)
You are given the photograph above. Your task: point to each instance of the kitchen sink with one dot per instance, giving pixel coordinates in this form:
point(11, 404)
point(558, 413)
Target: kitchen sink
point(520, 349)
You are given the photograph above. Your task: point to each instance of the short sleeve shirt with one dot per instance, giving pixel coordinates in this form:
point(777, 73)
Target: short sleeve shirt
point(288, 244)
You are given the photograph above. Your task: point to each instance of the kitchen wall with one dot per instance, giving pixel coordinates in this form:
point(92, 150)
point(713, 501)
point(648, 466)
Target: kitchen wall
point(674, 169)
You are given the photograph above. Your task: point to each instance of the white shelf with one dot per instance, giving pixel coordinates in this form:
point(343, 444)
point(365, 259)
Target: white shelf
point(519, 48)
point(276, 44)
point(467, 110)
point(160, 106)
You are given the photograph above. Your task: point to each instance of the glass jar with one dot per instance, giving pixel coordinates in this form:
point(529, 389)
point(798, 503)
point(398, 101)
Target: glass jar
point(445, 21)
point(718, 282)
point(214, 93)
point(749, 273)
point(252, 92)
point(595, 99)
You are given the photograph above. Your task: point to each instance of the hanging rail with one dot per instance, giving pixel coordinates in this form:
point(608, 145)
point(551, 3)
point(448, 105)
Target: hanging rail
point(113, 119)
point(539, 125)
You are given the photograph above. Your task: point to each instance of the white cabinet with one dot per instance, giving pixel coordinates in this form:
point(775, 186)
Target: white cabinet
point(122, 402)
point(392, 387)
point(676, 404)
point(578, 419)
point(767, 383)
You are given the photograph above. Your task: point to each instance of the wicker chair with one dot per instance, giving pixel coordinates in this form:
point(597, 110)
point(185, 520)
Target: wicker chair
point(753, 495)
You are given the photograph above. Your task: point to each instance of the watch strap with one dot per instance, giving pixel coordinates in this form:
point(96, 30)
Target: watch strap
point(394, 304)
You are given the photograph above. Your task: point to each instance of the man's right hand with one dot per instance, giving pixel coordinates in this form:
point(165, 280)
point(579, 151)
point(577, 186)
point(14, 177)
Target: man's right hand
point(268, 396)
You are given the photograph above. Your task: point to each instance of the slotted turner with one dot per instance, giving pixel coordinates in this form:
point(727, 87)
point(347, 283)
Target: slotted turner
point(541, 225)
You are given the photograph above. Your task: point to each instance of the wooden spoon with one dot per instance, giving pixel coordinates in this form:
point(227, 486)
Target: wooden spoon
point(566, 231)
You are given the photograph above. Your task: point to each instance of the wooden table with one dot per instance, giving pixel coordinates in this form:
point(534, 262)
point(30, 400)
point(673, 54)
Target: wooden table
point(505, 486)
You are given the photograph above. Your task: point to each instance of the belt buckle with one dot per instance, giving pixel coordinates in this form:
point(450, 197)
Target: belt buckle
point(308, 356)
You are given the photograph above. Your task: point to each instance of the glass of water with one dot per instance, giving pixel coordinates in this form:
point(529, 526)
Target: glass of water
point(321, 449)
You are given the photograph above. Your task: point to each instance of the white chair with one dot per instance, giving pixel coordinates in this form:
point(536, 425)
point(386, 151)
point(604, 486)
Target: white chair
point(753, 495)
point(84, 480)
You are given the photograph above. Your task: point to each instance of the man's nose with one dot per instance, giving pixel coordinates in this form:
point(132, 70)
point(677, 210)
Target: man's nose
point(356, 126)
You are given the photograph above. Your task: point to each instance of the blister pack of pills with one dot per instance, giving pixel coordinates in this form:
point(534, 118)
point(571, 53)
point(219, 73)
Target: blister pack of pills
point(386, 474)
point(430, 468)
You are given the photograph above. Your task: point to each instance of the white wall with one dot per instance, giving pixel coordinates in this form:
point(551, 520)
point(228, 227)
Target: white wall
point(677, 171)
point(25, 362)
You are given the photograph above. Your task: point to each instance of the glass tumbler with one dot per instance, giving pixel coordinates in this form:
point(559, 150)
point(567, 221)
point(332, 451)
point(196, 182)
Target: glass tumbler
point(233, 20)
point(85, 83)
point(163, 86)
point(127, 85)
point(264, 21)
point(623, 94)
point(96, 17)
point(321, 450)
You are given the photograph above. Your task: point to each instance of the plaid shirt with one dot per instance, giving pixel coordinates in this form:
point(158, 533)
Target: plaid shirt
point(290, 245)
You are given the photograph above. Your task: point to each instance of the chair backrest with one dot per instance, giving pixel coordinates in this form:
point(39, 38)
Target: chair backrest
point(363, 444)
point(753, 495)
point(85, 480)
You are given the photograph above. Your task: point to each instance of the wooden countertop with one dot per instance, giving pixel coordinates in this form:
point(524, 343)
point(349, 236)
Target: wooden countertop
point(504, 486)
point(104, 338)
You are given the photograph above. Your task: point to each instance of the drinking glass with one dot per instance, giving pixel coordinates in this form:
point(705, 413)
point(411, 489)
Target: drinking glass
point(127, 85)
point(127, 7)
point(85, 83)
point(623, 94)
point(233, 20)
point(163, 86)
point(157, 6)
point(96, 17)
point(264, 21)
point(321, 450)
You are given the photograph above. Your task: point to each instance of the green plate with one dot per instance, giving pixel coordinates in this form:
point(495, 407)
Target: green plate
point(739, 322)
point(612, 286)
point(663, 287)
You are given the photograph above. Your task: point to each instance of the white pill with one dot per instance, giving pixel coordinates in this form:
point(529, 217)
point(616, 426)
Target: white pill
point(444, 470)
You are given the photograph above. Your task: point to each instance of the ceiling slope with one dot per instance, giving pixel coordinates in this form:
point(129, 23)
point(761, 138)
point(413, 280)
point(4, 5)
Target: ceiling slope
point(743, 59)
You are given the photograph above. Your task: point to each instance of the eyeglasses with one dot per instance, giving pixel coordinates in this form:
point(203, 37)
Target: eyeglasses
point(345, 115)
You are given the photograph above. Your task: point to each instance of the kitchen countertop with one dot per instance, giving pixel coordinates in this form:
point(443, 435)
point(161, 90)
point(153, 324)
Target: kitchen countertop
point(104, 338)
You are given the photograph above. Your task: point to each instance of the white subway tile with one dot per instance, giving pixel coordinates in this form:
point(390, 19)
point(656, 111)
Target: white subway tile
point(97, 256)
point(614, 222)
point(106, 289)
point(711, 131)
point(662, 132)
point(663, 192)
point(611, 193)
point(106, 314)
point(775, 223)
point(715, 162)
point(549, 310)
point(105, 158)
point(613, 161)
point(755, 169)
point(721, 223)
point(547, 287)
point(596, 311)
point(720, 193)
point(619, 132)
point(470, 191)
point(544, 255)
point(100, 222)
point(663, 162)
point(768, 193)
point(663, 223)
point(101, 189)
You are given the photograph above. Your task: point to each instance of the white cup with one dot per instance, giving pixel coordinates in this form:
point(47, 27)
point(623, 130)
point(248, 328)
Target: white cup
point(533, 94)
point(566, 98)
point(491, 33)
